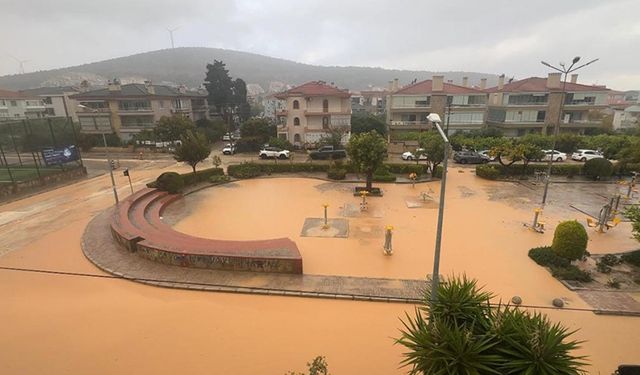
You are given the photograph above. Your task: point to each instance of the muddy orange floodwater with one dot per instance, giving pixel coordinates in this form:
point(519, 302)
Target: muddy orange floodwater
point(62, 324)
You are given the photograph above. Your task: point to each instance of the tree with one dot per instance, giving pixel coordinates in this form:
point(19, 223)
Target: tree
point(462, 333)
point(367, 151)
point(570, 240)
point(433, 146)
point(258, 128)
point(214, 130)
point(633, 213)
point(567, 142)
point(239, 100)
point(193, 149)
point(365, 124)
point(219, 85)
point(171, 129)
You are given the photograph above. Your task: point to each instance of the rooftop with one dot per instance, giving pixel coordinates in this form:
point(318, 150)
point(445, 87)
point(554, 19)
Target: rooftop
point(314, 88)
point(136, 90)
point(50, 90)
point(537, 84)
point(6, 94)
point(426, 87)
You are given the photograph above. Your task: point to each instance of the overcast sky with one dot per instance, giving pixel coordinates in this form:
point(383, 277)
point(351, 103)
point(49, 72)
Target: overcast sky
point(507, 36)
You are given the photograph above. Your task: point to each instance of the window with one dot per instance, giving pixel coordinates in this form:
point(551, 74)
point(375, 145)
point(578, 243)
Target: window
point(13, 103)
point(528, 99)
point(161, 103)
point(296, 104)
point(541, 115)
point(47, 100)
point(296, 138)
point(296, 121)
point(325, 105)
point(325, 122)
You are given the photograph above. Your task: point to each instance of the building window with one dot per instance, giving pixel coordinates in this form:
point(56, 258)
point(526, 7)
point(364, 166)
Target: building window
point(296, 138)
point(161, 103)
point(325, 105)
point(13, 103)
point(541, 115)
point(325, 122)
point(47, 100)
point(296, 121)
point(296, 104)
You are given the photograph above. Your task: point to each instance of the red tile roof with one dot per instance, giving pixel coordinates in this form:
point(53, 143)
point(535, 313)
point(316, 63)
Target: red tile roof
point(6, 94)
point(537, 84)
point(426, 87)
point(314, 88)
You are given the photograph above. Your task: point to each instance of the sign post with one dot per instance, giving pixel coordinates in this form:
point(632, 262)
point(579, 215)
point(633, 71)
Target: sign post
point(126, 173)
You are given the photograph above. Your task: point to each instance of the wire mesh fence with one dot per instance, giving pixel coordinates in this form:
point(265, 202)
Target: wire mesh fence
point(34, 148)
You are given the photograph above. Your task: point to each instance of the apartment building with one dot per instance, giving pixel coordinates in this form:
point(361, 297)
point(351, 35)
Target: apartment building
point(369, 102)
point(273, 105)
point(461, 107)
point(626, 117)
point(57, 101)
point(312, 110)
point(132, 108)
point(532, 105)
point(19, 106)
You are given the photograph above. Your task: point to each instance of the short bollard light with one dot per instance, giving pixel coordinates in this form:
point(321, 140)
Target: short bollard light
point(325, 226)
point(413, 176)
point(388, 235)
point(363, 204)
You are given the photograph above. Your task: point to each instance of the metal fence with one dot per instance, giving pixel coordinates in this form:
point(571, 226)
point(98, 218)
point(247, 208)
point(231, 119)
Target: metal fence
point(22, 143)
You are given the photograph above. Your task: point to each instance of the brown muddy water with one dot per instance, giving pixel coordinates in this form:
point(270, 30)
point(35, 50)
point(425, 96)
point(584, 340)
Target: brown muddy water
point(64, 324)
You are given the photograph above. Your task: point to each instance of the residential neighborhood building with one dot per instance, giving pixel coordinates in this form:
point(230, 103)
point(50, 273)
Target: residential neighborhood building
point(56, 100)
point(532, 105)
point(369, 102)
point(460, 107)
point(626, 118)
point(313, 110)
point(132, 108)
point(17, 106)
point(273, 105)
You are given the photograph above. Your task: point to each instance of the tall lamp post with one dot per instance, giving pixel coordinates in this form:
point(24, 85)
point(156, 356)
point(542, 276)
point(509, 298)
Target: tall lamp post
point(435, 277)
point(563, 70)
point(106, 149)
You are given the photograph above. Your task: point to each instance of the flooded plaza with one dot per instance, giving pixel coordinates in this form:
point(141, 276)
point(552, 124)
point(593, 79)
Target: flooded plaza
point(93, 325)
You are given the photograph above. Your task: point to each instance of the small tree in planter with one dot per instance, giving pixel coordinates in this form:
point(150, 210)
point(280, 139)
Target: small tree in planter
point(598, 168)
point(216, 161)
point(367, 151)
point(193, 149)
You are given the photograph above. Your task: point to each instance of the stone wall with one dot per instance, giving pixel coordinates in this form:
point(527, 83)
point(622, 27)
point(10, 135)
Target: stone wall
point(23, 187)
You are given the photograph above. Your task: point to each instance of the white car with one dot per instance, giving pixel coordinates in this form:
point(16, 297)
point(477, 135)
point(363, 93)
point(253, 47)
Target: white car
point(487, 153)
point(410, 156)
point(229, 149)
point(273, 152)
point(557, 155)
point(227, 137)
point(584, 155)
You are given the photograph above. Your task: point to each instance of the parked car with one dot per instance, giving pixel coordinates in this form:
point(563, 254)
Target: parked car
point(584, 155)
point(227, 137)
point(273, 152)
point(410, 155)
point(229, 149)
point(555, 154)
point(328, 152)
point(487, 154)
point(469, 157)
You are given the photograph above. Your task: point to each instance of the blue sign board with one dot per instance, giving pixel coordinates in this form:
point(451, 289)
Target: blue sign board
point(55, 156)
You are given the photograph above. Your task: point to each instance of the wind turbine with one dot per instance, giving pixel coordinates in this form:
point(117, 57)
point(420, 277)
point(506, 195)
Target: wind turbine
point(171, 35)
point(20, 62)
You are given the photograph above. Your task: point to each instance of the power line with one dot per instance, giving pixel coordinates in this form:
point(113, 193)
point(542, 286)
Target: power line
point(276, 290)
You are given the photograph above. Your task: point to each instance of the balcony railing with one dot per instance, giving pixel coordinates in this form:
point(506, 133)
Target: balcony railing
point(409, 123)
point(320, 113)
point(88, 111)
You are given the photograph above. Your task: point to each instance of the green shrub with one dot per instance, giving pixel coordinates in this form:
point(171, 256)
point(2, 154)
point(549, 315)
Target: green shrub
point(545, 256)
point(489, 172)
point(201, 176)
point(571, 272)
point(218, 179)
point(613, 283)
point(570, 240)
point(384, 178)
point(603, 267)
point(337, 174)
point(598, 168)
point(610, 260)
point(170, 182)
point(408, 168)
point(632, 258)
point(438, 172)
point(245, 170)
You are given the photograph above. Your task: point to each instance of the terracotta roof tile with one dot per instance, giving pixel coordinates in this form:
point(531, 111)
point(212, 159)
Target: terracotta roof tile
point(537, 84)
point(314, 88)
point(6, 94)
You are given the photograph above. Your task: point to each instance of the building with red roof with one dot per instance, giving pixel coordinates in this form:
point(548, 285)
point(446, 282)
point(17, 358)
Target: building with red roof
point(460, 106)
point(312, 110)
point(534, 105)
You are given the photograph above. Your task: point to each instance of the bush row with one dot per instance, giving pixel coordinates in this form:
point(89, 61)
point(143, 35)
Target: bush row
point(495, 171)
point(189, 178)
point(561, 268)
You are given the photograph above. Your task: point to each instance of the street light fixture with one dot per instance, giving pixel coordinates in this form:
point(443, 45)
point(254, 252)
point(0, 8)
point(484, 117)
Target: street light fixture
point(435, 277)
point(106, 149)
point(564, 70)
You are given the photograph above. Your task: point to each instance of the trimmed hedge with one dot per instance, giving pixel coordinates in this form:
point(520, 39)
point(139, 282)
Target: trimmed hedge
point(632, 257)
point(570, 240)
point(170, 182)
point(544, 256)
point(193, 178)
point(571, 272)
point(490, 172)
point(337, 174)
point(598, 168)
point(438, 172)
point(407, 169)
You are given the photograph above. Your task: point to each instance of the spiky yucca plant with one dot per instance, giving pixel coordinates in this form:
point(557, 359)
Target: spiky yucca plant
point(463, 334)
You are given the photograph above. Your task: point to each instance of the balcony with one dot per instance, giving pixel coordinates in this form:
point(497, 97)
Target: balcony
point(410, 125)
point(93, 111)
point(180, 110)
point(283, 112)
point(328, 113)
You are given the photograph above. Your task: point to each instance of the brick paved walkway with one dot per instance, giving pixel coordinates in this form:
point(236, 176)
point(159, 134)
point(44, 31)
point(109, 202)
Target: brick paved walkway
point(611, 303)
point(101, 249)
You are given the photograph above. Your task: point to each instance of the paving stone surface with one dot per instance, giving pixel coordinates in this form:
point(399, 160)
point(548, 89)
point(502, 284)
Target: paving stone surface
point(611, 302)
point(100, 248)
